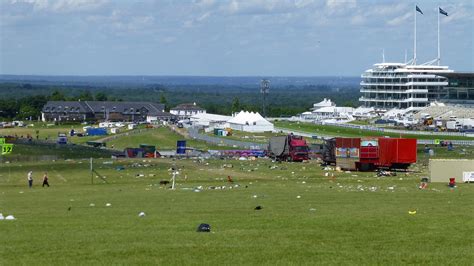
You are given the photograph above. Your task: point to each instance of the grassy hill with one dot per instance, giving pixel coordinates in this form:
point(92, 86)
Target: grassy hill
point(163, 138)
point(351, 218)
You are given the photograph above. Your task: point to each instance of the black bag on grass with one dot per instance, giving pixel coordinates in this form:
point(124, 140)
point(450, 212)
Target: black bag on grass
point(204, 228)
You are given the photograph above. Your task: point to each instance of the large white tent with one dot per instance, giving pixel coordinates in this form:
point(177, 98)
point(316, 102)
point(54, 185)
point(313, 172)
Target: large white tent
point(250, 122)
point(206, 119)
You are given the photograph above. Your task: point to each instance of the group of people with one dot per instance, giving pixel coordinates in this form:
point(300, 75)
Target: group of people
point(30, 179)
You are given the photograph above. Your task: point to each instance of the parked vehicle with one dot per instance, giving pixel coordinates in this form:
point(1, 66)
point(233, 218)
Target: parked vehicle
point(288, 148)
point(370, 153)
point(62, 139)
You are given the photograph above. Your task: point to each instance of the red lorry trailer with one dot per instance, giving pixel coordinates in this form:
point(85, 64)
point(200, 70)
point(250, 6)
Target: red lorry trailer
point(288, 148)
point(371, 153)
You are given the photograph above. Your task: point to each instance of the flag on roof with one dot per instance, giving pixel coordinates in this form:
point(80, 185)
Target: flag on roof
point(419, 10)
point(443, 12)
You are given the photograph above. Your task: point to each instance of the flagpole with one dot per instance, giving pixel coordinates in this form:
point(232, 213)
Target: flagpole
point(439, 51)
point(414, 41)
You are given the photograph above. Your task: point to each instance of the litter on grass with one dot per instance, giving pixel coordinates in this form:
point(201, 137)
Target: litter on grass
point(108, 204)
point(141, 214)
point(10, 217)
point(204, 228)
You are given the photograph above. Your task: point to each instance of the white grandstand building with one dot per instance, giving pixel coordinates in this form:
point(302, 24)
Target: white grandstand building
point(403, 86)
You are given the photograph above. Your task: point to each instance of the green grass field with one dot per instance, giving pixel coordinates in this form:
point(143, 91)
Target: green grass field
point(48, 131)
point(163, 138)
point(350, 132)
point(351, 218)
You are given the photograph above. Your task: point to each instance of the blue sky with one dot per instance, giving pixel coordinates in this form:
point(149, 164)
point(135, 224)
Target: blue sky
point(226, 37)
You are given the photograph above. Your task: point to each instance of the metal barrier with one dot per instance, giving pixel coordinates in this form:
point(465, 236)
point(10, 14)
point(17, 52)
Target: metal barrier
point(397, 131)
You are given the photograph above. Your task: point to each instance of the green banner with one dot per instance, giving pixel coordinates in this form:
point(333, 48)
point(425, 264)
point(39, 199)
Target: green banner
point(6, 148)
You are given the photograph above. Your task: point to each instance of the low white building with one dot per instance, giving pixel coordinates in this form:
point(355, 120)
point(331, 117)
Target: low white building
point(250, 122)
point(186, 110)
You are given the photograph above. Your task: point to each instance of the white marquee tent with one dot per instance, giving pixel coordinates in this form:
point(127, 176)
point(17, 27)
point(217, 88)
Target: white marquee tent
point(250, 122)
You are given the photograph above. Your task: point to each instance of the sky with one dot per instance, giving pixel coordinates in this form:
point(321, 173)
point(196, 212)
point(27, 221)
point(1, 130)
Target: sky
point(227, 37)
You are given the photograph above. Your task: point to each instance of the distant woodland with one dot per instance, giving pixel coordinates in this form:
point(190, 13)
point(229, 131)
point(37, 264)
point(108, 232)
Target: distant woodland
point(25, 100)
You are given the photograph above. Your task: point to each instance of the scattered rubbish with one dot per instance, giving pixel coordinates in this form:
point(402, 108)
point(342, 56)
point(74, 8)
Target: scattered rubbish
point(386, 173)
point(312, 209)
point(303, 182)
point(108, 162)
point(423, 183)
point(391, 188)
point(258, 208)
point(452, 182)
point(254, 196)
point(108, 204)
point(326, 174)
point(1, 216)
point(92, 205)
point(21, 192)
point(197, 190)
point(119, 168)
point(141, 214)
point(242, 159)
point(412, 212)
point(10, 217)
point(204, 228)
point(298, 197)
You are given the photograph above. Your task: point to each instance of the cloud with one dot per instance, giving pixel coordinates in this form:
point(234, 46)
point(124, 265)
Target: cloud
point(337, 5)
point(399, 20)
point(358, 19)
point(62, 6)
point(122, 22)
point(262, 7)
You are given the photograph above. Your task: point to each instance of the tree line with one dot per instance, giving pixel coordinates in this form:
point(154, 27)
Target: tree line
point(29, 107)
point(282, 101)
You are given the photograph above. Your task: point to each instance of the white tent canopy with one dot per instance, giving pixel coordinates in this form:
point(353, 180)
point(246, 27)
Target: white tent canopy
point(206, 119)
point(250, 122)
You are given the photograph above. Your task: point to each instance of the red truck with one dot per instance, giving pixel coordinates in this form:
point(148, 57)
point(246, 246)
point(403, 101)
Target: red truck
point(370, 153)
point(288, 148)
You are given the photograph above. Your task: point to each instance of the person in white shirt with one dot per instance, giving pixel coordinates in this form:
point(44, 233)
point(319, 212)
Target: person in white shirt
point(30, 179)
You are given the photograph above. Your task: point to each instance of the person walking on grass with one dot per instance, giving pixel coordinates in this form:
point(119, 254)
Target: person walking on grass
point(45, 179)
point(30, 179)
